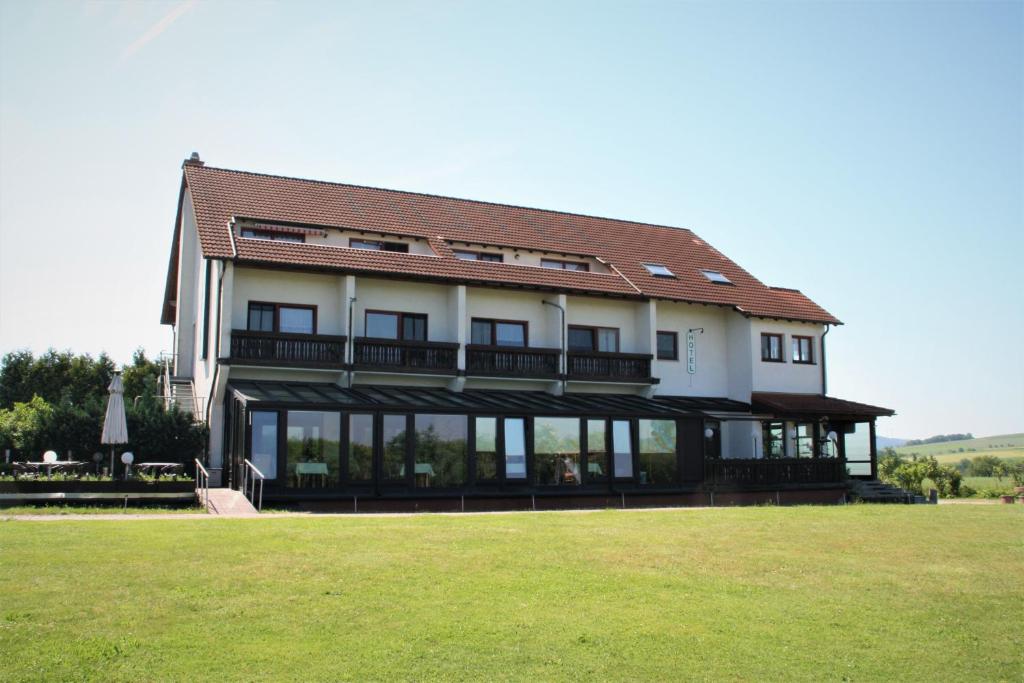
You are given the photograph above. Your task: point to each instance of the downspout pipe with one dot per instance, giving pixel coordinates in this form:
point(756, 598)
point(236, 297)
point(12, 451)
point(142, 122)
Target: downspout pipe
point(824, 371)
point(564, 362)
point(351, 340)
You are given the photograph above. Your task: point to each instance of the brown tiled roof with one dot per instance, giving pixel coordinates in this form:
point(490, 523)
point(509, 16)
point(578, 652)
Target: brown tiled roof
point(219, 195)
point(813, 404)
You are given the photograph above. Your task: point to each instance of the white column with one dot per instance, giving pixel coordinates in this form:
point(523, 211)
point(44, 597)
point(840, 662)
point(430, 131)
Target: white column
point(458, 325)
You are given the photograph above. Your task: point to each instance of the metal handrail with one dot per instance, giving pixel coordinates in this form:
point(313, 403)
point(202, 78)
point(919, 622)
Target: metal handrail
point(249, 485)
point(202, 484)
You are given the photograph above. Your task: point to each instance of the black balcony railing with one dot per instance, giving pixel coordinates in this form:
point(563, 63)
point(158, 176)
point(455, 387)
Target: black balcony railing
point(506, 361)
point(392, 355)
point(610, 367)
point(272, 348)
point(769, 471)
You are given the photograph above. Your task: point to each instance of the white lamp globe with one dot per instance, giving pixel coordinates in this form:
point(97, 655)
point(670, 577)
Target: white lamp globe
point(50, 456)
point(708, 433)
point(127, 457)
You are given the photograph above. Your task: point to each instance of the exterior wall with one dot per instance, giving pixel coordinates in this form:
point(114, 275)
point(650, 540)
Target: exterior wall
point(288, 287)
point(738, 353)
point(543, 327)
point(712, 375)
point(524, 257)
point(186, 315)
point(406, 297)
point(625, 315)
point(788, 377)
point(340, 238)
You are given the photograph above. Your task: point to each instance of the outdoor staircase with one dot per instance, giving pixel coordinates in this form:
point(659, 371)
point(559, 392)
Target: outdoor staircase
point(181, 393)
point(874, 491)
point(229, 502)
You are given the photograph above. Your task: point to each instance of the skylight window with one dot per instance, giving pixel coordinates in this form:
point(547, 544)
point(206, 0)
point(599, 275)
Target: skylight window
point(658, 270)
point(716, 277)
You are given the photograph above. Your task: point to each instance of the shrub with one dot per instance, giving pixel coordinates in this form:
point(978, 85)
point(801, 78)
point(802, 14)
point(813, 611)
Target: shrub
point(967, 491)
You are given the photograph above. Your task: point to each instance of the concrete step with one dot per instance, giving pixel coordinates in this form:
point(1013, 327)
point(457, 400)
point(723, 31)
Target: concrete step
point(231, 503)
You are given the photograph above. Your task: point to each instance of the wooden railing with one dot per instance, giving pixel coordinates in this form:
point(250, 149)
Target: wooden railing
point(506, 361)
point(774, 471)
point(268, 348)
point(405, 356)
point(610, 367)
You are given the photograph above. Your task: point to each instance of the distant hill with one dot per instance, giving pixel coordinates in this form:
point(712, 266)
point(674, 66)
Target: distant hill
point(1003, 446)
point(888, 442)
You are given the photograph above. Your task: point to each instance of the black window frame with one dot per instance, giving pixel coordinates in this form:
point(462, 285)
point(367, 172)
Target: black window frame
point(484, 256)
point(766, 348)
point(402, 316)
point(382, 245)
point(277, 306)
point(594, 343)
point(559, 264)
point(675, 344)
point(273, 236)
point(796, 343)
point(494, 322)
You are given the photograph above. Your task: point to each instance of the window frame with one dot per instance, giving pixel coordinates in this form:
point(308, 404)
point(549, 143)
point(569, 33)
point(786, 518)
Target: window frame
point(595, 343)
point(561, 265)
point(482, 256)
point(382, 245)
point(782, 345)
point(401, 324)
point(273, 236)
point(666, 272)
point(795, 341)
point(719, 278)
point(675, 345)
point(277, 316)
point(494, 322)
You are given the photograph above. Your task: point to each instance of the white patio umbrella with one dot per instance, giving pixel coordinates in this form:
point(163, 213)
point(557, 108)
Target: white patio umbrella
point(115, 426)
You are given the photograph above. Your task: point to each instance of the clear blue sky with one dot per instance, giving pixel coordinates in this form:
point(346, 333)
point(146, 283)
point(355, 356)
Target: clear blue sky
point(869, 154)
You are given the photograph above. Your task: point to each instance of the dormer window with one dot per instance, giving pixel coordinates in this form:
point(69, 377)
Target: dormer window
point(489, 256)
point(378, 245)
point(658, 270)
point(251, 234)
point(716, 277)
point(564, 265)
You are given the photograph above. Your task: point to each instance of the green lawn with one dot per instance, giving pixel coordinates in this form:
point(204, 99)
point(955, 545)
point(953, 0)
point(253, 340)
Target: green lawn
point(845, 593)
point(949, 453)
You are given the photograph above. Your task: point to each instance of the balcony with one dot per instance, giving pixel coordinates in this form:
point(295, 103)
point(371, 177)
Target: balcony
point(605, 366)
point(391, 355)
point(506, 361)
point(283, 348)
point(768, 472)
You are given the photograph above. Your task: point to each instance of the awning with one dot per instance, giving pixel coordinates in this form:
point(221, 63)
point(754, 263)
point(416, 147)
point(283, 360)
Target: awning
point(814, 406)
point(325, 395)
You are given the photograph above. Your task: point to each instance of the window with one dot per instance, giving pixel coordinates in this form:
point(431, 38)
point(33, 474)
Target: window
point(556, 451)
point(658, 270)
point(394, 447)
point(486, 442)
point(206, 310)
point(360, 447)
point(657, 453)
point(593, 338)
point(771, 348)
point(716, 277)
point(288, 318)
point(805, 440)
point(403, 326)
point(498, 332)
point(773, 439)
point(564, 265)
point(515, 448)
point(264, 442)
point(270, 235)
point(377, 245)
point(597, 451)
point(440, 450)
point(668, 346)
point(803, 350)
point(313, 443)
point(489, 256)
point(622, 447)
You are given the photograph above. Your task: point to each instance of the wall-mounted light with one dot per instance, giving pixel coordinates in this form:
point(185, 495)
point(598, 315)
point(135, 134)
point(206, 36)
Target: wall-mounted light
point(709, 433)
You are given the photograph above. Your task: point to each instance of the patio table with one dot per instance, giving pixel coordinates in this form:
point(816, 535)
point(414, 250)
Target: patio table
point(59, 465)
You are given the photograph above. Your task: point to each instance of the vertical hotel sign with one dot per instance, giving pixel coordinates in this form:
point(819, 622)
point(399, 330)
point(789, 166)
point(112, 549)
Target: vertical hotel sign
point(691, 353)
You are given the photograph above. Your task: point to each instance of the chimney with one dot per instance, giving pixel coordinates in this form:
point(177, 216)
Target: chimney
point(193, 160)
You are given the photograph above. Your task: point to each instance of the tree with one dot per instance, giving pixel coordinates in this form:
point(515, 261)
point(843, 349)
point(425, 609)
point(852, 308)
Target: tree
point(141, 377)
point(23, 426)
point(53, 376)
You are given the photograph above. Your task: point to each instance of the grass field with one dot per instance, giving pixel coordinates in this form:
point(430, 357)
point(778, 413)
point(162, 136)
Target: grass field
point(846, 593)
point(948, 453)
